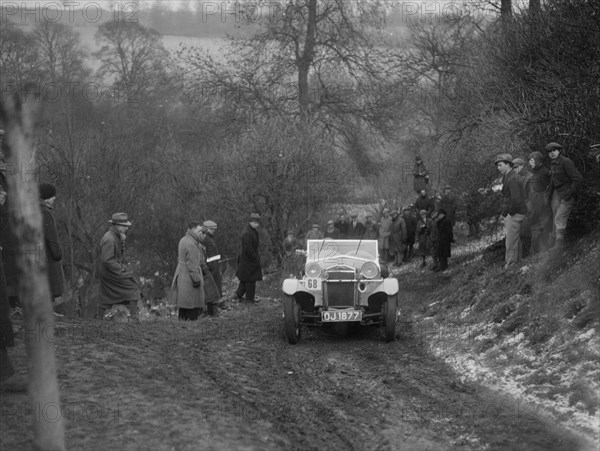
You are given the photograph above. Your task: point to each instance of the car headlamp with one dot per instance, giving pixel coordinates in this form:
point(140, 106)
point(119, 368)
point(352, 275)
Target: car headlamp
point(313, 269)
point(369, 270)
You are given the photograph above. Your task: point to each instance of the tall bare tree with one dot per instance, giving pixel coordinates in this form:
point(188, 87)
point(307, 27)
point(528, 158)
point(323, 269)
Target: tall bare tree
point(34, 289)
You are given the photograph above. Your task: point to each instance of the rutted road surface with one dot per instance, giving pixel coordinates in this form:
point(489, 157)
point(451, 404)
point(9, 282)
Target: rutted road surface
point(235, 383)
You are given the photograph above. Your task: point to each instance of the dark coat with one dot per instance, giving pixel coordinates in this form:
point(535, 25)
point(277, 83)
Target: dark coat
point(334, 234)
point(449, 203)
point(398, 235)
point(513, 190)
point(117, 284)
point(538, 207)
point(249, 269)
point(53, 252)
point(211, 250)
point(355, 231)
point(342, 226)
point(411, 229)
point(187, 288)
point(424, 203)
point(423, 234)
point(445, 237)
point(371, 232)
point(421, 177)
point(564, 177)
point(211, 291)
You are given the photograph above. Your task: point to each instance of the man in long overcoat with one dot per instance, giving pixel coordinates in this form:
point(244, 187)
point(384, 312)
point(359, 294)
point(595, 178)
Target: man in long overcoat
point(445, 238)
point(52, 247)
point(187, 289)
point(117, 284)
point(397, 238)
point(212, 254)
point(421, 175)
point(356, 229)
point(249, 270)
point(538, 206)
point(383, 239)
point(211, 291)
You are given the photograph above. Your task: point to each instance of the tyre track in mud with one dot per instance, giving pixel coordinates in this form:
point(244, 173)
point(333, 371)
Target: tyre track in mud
point(358, 392)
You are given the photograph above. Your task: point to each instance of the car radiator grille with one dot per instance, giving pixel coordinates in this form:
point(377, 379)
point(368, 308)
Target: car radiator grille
point(339, 294)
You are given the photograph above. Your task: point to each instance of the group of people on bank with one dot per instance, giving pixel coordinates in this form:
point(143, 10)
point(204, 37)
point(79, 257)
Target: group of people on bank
point(536, 202)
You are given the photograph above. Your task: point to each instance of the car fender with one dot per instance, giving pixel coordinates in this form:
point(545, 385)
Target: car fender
point(390, 286)
point(290, 286)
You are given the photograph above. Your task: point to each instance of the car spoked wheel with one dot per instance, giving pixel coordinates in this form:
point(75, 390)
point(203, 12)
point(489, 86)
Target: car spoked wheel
point(291, 319)
point(390, 317)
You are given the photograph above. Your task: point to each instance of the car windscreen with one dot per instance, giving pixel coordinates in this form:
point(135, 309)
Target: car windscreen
point(319, 250)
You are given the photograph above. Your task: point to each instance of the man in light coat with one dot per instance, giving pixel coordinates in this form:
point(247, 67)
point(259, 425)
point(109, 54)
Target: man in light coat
point(117, 284)
point(383, 240)
point(187, 289)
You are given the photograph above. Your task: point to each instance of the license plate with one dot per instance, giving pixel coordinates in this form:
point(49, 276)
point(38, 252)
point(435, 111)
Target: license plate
point(313, 284)
point(333, 316)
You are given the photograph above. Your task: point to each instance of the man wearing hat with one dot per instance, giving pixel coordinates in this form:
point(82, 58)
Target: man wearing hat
point(52, 248)
point(370, 228)
point(385, 230)
point(526, 178)
point(449, 203)
point(314, 233)
point(212, 253)
point(249, 269)
point(117, 284)
point(332, 231)
point(421, 175)
point(514, 207)
point(564, 183)
point(356, 229)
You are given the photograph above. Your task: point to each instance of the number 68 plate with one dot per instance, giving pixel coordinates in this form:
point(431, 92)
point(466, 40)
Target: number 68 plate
point(341, 315)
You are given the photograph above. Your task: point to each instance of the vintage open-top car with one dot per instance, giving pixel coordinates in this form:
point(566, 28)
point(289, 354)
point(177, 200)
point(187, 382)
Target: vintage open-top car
point(342, 282)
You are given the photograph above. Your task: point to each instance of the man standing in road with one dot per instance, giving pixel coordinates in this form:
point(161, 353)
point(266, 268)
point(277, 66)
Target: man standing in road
point(514, 207)
point(564, 183)
point(117, 284)
point(449, 204)
point(249, 269)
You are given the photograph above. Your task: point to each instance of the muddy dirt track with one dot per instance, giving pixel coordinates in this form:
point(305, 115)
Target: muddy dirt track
point(234, 383)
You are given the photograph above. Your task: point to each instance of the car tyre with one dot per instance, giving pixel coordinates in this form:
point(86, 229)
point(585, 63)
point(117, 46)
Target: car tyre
point(291, 319)
point(390, 316)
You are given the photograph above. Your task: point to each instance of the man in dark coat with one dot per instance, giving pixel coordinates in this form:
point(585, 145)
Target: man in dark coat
point(212, 254)
point(356, 229)
point(249, 270)
point(397, 238)
point(449, 203)
point(538, 207)
point(514, 207)
point(52, 248)
point(117, 284)
point(371, 232)
point(423, 232)
point(342, 225)
point(445, 239)
point(211, 291)
point(564, 184)
point(411, 231)
point(421, 176)
point(424, 203)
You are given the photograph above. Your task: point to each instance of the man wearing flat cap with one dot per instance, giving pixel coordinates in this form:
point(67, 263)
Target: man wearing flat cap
point(314, 233)
point(117, 284)
point(332, 231)
point(564, 183)
point(212, 254)
point(249, 269)
point(514, 207)
point(52, 248)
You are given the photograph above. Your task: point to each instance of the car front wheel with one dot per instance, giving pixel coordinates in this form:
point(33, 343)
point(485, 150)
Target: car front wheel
point(291, 318)
point(390, 315)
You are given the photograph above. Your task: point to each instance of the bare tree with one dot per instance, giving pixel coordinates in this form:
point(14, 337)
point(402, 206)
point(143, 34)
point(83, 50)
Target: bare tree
point(18, 59)
point(34, 290)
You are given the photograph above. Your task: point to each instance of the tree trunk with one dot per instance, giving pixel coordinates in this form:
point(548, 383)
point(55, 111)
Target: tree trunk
point(306, 59)
point(34, 289)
